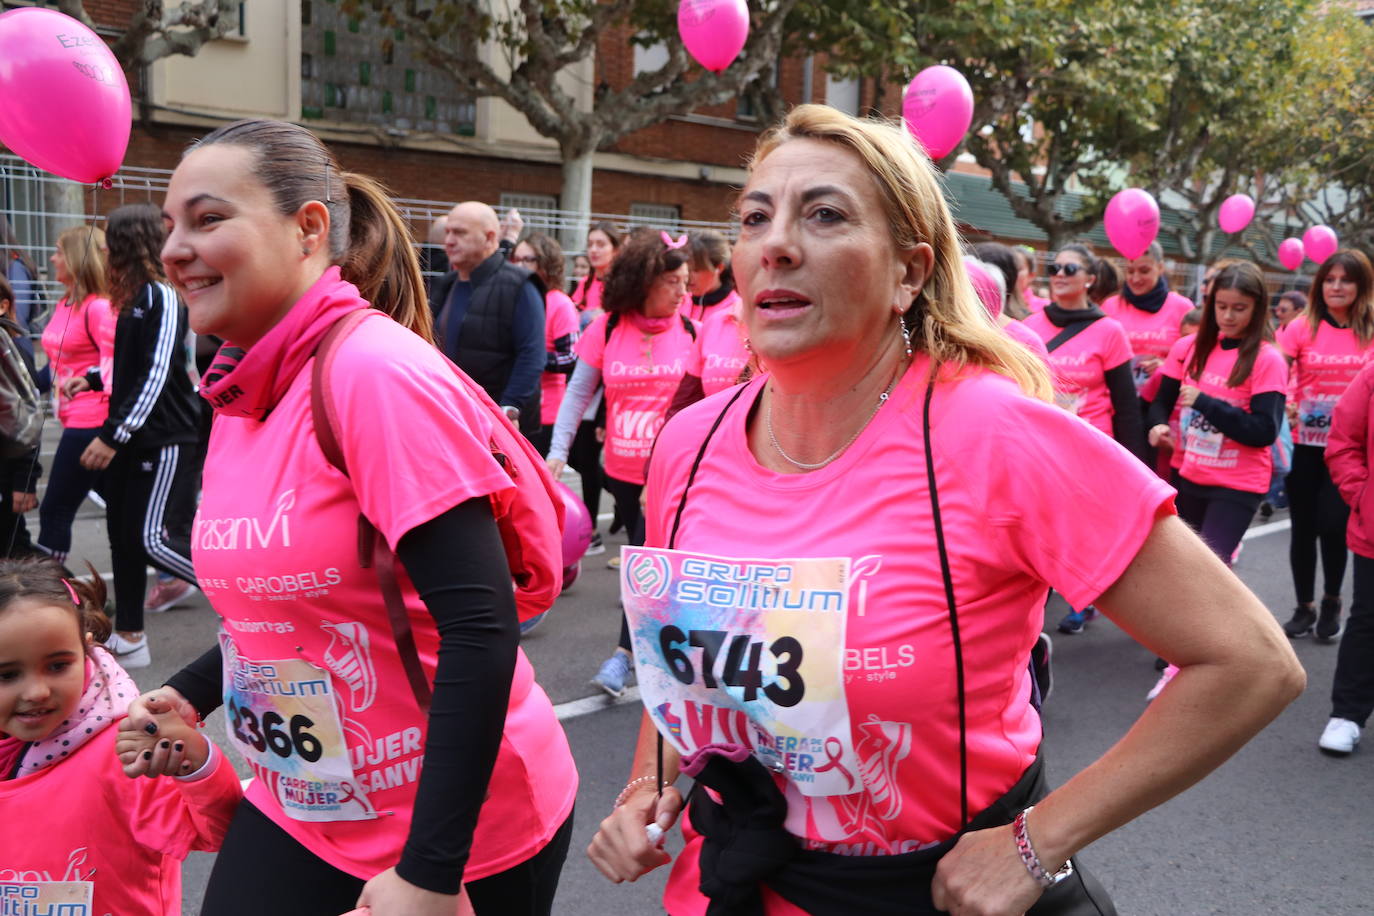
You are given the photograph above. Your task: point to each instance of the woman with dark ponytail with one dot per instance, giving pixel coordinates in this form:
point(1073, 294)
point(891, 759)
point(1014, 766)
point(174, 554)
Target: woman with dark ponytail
point(1090, 359)
point(368, 792)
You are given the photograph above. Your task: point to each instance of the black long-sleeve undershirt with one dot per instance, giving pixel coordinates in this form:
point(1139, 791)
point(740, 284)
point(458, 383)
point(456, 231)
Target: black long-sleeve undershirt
point(1257, 427)
point(1126, 427)
point(468, 592)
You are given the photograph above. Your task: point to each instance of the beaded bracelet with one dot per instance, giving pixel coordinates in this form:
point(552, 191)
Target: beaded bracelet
point(1030, 859)
point(629, 787)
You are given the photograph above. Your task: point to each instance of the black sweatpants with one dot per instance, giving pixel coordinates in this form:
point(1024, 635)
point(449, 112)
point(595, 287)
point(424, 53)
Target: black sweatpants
point(1352, 689)
point(1319, 515)
point(150, 497)
point(68, 485)
point(1220, 521)
point(626, 497)
point(261, 870)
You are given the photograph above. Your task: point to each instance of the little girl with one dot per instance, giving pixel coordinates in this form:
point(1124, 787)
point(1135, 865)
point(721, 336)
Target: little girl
point(80, 836)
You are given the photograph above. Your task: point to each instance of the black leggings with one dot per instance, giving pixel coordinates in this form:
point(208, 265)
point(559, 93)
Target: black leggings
point(1220, 521)
point(262, 870)
point(150, 497)
point(626, 497)
point(68, 484)
point(584, 457)
point(1318, 513)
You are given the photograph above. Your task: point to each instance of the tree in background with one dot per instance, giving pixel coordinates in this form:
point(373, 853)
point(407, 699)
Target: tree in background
point(154, 33)
point(537, 41)
point(1324, 132)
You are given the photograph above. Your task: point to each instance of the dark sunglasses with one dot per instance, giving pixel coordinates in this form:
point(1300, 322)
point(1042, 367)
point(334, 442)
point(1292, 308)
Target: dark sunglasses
point(1070, 270)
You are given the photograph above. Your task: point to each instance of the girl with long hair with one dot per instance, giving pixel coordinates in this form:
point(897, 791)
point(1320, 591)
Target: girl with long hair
point(639, 350)
point(1326, 348)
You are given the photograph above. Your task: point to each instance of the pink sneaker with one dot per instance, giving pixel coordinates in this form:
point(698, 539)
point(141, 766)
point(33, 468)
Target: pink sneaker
point(167, 594)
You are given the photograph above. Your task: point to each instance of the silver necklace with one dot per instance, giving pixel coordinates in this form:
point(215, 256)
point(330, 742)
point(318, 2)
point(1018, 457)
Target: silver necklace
point(808, 466)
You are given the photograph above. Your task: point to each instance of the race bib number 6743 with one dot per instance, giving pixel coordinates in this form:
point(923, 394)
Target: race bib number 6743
point(749, 653)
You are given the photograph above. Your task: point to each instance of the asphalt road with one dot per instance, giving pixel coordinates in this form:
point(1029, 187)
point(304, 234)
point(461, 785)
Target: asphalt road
point(1278, 829)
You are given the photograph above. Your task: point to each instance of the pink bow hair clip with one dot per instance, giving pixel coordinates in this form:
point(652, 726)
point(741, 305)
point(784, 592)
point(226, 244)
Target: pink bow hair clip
point(668, 240)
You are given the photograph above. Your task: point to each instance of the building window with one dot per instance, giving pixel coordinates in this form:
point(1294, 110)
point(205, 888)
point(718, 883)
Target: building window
point(371, 76)
point(655, 216)
point(539, 211)
point(842, 94)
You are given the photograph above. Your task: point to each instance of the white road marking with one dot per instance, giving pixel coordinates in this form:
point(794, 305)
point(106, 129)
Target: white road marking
point(1260, 531)
point(588, 705)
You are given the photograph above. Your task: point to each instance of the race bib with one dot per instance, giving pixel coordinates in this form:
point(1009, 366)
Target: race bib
point(1139, 374)
point(46, 898)
point(283, 717)
point(1314, 420)
point(1199, 436)
point(1069, 400)
point(749, 653)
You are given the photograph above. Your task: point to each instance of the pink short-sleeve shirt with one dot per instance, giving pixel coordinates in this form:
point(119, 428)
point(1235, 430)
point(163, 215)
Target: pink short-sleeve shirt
point(1081, 364)
point(641, 373)
point(275, 551)
point(1207, 457)
point(1324, 364)
point(1008, 540)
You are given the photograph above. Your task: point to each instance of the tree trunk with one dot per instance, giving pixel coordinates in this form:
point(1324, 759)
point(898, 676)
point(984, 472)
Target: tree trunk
point(576, 197)
point(64, 206)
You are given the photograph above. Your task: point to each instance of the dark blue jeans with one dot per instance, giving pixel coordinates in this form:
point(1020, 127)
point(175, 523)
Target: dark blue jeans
point(68, 484)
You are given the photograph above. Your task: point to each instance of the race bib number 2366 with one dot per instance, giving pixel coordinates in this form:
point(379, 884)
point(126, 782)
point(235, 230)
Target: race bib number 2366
point(746, 652)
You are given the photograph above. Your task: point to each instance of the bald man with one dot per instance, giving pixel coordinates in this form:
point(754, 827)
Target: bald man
point(489, 314)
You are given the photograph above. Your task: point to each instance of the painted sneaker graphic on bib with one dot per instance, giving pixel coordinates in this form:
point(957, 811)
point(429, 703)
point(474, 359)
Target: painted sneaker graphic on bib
point(349, 658)
point(881, 749)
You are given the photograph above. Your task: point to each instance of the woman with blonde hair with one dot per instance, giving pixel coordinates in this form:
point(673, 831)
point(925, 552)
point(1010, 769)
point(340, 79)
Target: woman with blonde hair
point(882, 522)
point(79, 342)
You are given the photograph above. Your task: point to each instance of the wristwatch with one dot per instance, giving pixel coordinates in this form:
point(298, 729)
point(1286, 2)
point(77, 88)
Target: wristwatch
point(512, 413)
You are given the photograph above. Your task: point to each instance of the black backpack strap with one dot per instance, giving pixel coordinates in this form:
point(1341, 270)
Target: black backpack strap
point(1068, 334)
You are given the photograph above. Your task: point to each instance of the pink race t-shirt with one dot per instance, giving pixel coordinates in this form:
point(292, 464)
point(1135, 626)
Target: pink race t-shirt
point(560, 320)
point(718, 357)
point(275, 551)
point(112, 842)
point(1080, 366)
point(1008, 539)
point(641, 373)
point(1151, 334)
point(1035, 303)
point(1028, 338)
point(76, 339)
point(1206, 456)
point(1323, 366)
point(586, 296)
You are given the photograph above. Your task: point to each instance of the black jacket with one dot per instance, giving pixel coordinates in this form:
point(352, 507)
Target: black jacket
point(152, 400)
point(488, 348)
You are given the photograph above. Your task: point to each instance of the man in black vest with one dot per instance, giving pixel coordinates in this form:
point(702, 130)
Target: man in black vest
point(489, 314)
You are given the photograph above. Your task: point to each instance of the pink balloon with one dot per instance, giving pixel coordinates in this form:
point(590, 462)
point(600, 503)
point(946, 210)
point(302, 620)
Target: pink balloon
point(1132, 221)
point(1290, 253)
point(577, 526)
point(938, 109)
point(1236, 213)
point(64, 102)
point(713, 30)
point(1320, 243)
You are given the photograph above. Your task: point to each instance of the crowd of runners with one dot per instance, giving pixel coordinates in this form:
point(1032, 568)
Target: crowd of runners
point(848, 432)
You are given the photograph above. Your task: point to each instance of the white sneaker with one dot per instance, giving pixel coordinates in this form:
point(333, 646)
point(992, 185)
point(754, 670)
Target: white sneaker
point(128, 653)
point(1340, 737)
